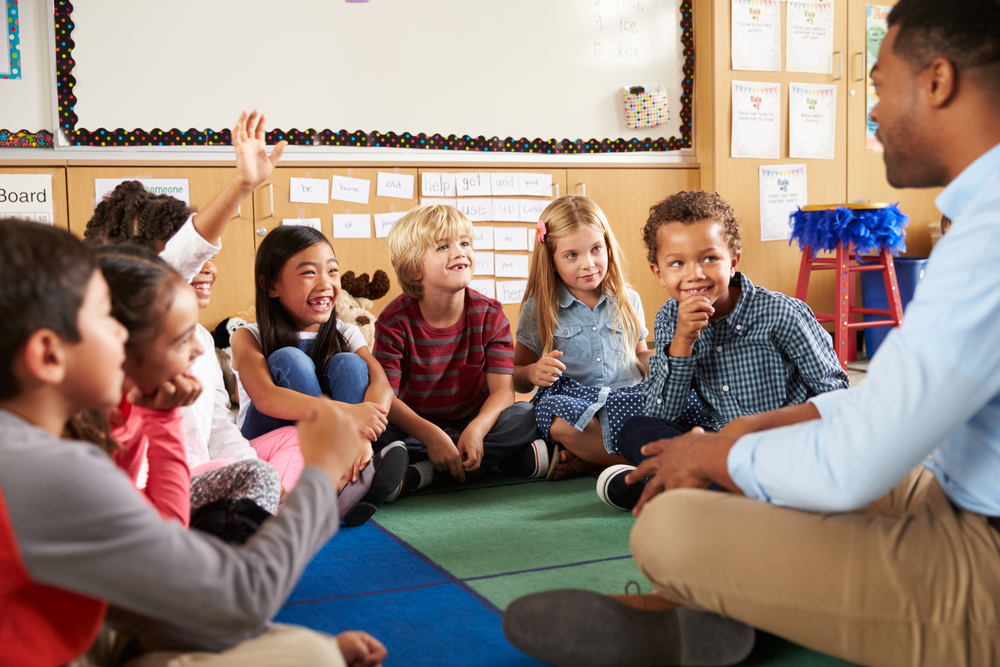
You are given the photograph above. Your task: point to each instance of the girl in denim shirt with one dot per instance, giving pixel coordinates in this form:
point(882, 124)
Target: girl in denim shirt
point(581, 338)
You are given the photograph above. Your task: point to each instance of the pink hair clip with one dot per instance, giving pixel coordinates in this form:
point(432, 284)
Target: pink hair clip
point(541, 231)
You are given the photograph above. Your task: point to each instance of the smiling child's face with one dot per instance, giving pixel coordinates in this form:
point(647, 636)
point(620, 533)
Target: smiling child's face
point(203, 282)
point(307, 286)
point(448, 265)
point(174, 348)
point(694, 260)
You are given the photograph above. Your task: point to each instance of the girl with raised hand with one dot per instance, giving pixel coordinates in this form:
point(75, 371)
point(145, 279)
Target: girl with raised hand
point(580, 338)
point(298, 351)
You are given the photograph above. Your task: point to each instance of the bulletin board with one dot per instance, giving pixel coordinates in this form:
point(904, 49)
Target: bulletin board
point(491, 75)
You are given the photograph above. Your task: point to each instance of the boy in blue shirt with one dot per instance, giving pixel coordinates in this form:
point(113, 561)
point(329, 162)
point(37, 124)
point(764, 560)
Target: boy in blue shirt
point(743, 349)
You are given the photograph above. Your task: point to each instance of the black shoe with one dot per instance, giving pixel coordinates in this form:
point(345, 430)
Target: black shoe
point(575, 628)
point(615, 491)
point(388, 468)
point(536, 461)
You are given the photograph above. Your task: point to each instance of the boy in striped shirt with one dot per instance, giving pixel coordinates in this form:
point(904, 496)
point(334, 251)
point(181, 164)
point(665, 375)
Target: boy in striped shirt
point(449, 356)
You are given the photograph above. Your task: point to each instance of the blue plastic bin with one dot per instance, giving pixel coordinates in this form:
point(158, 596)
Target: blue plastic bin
point(909, 272)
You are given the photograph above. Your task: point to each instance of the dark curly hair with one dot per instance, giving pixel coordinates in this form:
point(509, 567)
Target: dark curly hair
point(688, 208)
point(132, 215)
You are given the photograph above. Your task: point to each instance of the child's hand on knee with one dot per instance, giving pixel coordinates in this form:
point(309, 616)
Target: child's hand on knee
point(470, 445)
point(332, 455)
point(360, 649)
point(545, 371)
point(371, 417)
point(444, 455)
point(177, 392)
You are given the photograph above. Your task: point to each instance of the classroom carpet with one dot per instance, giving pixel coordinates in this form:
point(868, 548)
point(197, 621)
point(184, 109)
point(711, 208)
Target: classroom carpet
point(431, 574)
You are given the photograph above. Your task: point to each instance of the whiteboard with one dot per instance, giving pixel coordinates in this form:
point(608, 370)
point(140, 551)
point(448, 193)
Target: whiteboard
point(26, 103)
point(548, 69)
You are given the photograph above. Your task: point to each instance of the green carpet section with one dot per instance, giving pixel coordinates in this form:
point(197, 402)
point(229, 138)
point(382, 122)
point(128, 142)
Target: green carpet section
point(604, 577)
point(505, 537)
point(501, 529)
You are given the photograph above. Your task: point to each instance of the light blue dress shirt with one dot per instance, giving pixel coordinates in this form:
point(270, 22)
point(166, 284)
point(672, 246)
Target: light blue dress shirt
point(590, 340)
point(932, 392)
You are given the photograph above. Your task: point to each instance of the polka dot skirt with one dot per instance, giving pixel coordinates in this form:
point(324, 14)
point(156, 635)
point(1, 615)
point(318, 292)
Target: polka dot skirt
point(577, 404)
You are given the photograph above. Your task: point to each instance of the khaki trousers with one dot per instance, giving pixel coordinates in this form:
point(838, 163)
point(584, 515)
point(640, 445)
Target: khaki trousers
point(282, 646)
point(908, 580)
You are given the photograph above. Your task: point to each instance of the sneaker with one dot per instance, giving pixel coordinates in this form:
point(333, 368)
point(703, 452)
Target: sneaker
point(535, 461)
point(417, 476)
point(388, 470)
point(614, 491)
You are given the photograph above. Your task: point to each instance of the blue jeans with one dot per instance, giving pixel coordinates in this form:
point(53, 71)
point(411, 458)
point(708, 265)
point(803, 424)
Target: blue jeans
point(346, 376)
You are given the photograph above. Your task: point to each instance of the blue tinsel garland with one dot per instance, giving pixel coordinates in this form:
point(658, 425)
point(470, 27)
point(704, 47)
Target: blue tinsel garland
point(869, 230)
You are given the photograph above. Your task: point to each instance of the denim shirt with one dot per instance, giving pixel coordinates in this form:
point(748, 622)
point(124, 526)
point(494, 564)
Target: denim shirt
point(590, 340)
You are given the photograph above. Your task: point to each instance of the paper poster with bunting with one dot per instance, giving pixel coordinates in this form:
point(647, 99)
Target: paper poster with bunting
point(812, 121)
point(783, 190)
point(756, 120)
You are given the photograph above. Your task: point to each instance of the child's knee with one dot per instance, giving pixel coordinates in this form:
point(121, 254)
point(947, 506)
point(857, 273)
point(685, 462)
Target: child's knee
point(347, 363)
point(288, 357)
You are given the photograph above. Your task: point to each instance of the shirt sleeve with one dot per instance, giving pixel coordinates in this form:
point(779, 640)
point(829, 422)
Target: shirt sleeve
point(806, 345)
point(168, 486)
point(527, 327)
point(352, 334)
point(187, 251)
point(390, 347)
point(225, 440)
point(500, 346)
point(669, 384)
point(925, 392)
point(81, 526)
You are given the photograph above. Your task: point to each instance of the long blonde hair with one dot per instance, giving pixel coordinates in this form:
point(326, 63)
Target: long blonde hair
point(564, 217)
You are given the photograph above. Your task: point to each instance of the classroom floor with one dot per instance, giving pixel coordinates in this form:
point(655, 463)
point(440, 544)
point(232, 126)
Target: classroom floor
point(430, 575)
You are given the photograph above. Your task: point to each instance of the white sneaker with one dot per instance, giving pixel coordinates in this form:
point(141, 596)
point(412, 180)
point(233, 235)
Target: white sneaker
point(614, 491)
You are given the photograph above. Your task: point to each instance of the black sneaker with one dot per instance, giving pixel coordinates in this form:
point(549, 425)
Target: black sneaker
point(536, 461)
point(614, 491)
point(389, 467)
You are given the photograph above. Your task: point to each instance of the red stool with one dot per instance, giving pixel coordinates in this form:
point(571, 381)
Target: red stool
point(846, 261)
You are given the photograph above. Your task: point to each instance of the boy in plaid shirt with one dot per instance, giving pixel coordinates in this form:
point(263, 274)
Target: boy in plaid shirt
point(743, 349)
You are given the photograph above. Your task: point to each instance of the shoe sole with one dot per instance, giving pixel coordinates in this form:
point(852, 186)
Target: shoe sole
point(388, 474)
point(575, 628)
point(605, 479)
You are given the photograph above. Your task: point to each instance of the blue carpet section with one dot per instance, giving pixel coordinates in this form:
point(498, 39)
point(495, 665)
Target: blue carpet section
point(366, 579)
point(434, 626)
point(362, 560)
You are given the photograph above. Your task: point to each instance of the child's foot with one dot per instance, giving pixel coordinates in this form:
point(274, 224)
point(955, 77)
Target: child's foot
point(568, 465)
point(537, 460)
point(388, 469)
point(615, 491)
point(417, 477)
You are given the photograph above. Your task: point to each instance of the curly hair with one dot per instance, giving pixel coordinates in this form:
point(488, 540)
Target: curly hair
point(689, 208)
point(131, 215)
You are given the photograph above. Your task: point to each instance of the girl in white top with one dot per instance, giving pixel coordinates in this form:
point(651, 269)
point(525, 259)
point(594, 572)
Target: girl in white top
point(298, 351)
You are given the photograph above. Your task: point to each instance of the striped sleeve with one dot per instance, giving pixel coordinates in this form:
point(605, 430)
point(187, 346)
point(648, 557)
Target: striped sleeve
point(499, 343)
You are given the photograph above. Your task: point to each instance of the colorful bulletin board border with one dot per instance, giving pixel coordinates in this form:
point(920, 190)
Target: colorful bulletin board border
point(25, 139)
point(65, 81)
point(12, 35)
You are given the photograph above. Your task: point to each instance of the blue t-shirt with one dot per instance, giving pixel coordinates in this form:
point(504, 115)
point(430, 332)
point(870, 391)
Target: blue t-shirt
point(592, 343)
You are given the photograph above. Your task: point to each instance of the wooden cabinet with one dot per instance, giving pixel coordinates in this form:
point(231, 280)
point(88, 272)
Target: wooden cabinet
point(233, 290)
point(58, 173)
point(625, 196)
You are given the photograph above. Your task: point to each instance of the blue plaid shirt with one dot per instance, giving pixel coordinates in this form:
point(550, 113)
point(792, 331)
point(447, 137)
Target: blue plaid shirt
point(767, 353)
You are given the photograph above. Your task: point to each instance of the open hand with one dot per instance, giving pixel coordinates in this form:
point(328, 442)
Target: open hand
point(253, 164)
point(360, 463)
point(545, 371)
point(177, 392)
point(671, 465)
point(360, 649)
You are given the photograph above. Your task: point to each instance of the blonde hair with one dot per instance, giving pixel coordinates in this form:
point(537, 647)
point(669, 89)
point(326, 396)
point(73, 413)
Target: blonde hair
point(414, 233)
point(565, 217)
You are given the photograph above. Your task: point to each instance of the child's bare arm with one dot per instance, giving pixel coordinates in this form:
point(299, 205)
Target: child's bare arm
point(532, 371)
point(764, 421)
point(269, 398)
point(253, 166)
point(441, 451)
point(643, 353)
point(379, 390)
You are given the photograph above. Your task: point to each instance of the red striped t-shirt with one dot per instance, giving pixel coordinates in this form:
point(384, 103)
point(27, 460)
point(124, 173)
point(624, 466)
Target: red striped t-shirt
point(441, 373)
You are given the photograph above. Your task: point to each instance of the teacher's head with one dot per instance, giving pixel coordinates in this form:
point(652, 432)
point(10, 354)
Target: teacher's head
point(938, 80)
